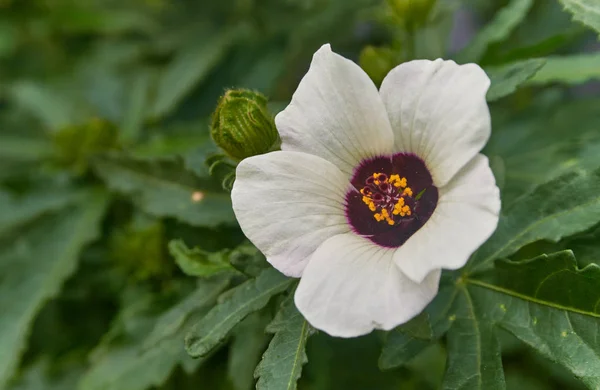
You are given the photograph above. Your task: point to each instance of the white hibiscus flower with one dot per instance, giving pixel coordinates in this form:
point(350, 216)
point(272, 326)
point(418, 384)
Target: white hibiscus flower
point(374, 192)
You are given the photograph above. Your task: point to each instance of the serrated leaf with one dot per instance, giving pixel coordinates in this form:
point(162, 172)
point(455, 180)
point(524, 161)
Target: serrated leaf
point(556, 209)
point(198, 262)
point(497, 30)
point(149, 358)
point(538, 280)
point(251, 296)
point(584, 11)
point(190, 66)
point(507, 78)
point(546, 302)
point(164, 188)
point(474, 356)
point(34, 267)
point(564, 337)
point(281, 364)
point(572, 69)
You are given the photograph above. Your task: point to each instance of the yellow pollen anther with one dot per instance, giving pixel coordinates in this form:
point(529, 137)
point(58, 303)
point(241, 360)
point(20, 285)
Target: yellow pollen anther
point(387, 213)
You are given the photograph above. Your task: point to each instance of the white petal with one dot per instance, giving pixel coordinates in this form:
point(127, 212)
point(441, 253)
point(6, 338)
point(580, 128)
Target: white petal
point(351, 286)
point(289, 203)
point(336, 113)
point(465, 217)
point(438, 111)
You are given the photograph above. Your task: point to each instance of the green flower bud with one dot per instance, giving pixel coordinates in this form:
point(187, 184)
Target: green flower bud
point(412, 12)
point(242, 126)
point(377, 62)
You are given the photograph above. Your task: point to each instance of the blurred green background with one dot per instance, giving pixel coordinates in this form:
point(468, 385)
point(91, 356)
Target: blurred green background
point(104, 140)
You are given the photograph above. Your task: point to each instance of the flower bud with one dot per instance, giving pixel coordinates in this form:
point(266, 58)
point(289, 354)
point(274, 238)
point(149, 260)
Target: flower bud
point(412, 12)
point(242, 125)
point(377, 62)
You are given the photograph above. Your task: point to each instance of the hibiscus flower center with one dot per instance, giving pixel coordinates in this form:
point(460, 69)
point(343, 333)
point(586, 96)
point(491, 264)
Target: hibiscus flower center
point(392, 197)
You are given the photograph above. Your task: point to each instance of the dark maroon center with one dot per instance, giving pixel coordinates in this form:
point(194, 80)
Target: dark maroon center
point(391, 198)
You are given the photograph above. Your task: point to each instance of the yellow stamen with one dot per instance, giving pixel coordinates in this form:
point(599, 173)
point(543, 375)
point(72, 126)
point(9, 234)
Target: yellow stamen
point(399, 209)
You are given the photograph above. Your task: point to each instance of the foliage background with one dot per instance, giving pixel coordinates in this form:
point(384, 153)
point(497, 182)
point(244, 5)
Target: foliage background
point(119, 250)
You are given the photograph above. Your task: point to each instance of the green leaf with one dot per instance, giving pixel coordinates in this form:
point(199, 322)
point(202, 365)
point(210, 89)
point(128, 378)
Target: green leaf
point(247, 259)
point(495, 31)
point(281, 364)
point(198, 262)
point(556, 209)
point(249, 341)
point(25, 149)
point(538, 280)
point(251, 296)
point(136, 106)
point(34, 267)
point(572, 69)
point(546, 302)
point(474, 358)
point(170, 322)
point(564, 337)
point(535, 148)
point(76, 145)
point(405, 342)
point(152, 352)
point(584, 11)
point(419, 327)
point(18, 211)
point(191, 65)
point(164, 188)
point(48, 104)
point(400, 348)
point(40, 375)
point(585, 246)
point(506, 78)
